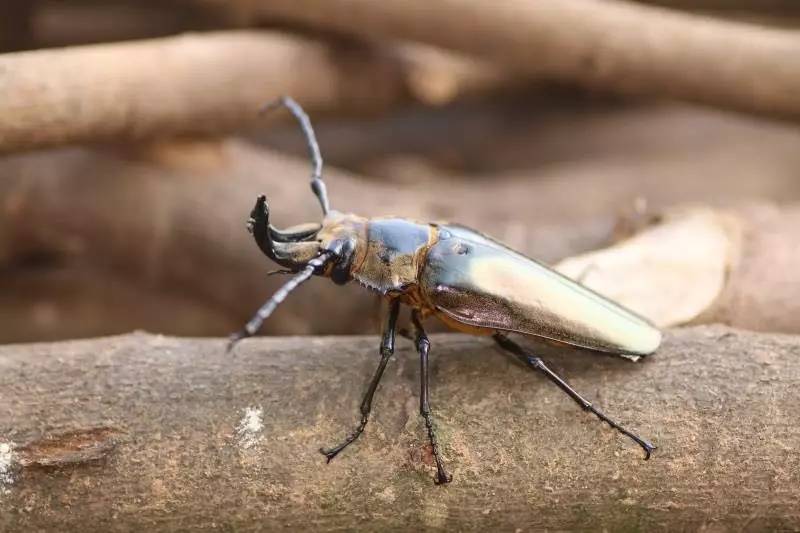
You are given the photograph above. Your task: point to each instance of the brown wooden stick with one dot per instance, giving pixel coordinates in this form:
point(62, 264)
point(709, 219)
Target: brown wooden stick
point(204, 83)
point(165, 434)
point(606, 44)
point(160, 87)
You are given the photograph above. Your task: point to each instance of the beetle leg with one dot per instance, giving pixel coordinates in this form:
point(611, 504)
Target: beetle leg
point(423, 346)
point(387, 349)
point(538, 364)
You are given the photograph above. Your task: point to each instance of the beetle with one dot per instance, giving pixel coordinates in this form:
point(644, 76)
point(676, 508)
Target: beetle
point(469, 281)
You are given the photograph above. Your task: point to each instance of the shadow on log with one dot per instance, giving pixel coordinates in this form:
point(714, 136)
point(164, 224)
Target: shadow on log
point(170, 434)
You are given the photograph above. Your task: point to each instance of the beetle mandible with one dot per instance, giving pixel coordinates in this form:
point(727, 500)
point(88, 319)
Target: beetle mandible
point(471, 282)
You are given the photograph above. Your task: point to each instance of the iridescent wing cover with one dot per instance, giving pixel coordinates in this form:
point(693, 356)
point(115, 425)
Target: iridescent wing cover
point(477, 281)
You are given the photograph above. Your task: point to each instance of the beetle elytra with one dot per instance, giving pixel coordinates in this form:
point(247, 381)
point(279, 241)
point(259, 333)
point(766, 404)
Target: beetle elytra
point(471, 282)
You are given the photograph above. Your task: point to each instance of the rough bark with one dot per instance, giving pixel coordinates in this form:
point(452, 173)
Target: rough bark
point(613, 45)
point(150, 432)
point(206, 83)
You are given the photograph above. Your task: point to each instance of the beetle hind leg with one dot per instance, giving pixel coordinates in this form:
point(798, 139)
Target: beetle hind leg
point(387, 349)
point(537, 363)
point(423, 347)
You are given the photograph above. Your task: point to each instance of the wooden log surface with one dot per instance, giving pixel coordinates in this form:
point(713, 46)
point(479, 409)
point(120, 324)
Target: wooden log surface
point(168, 434)
point(608, 44)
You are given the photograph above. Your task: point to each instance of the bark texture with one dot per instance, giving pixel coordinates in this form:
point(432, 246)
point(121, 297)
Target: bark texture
point(615, 45)
point(143, 431)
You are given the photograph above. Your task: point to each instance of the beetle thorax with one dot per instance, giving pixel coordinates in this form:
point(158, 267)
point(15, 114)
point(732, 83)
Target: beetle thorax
point(394, 252)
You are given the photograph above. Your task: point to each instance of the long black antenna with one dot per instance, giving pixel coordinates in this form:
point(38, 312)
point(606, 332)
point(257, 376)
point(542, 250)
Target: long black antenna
point(317, 185)
point(280, 295)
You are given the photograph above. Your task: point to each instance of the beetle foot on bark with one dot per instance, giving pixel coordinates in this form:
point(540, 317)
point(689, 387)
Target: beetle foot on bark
point(442, 477)
point(330, 453)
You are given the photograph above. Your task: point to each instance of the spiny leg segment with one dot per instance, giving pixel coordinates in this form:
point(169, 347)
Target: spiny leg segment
point(423, 346)
point(386, 351)
point(280, 295)
point(536, 363)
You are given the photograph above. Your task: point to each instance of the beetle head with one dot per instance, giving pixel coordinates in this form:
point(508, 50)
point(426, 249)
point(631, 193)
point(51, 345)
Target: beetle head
point(291, 248)
point(334, 241)
point(294, 247)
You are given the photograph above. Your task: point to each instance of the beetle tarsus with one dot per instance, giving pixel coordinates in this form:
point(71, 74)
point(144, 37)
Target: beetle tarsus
point(330, 453)
point(234, 338)
point(537, 363)
point(646, 445)
point(423, 347)
point(387, 350)
point(442, 477)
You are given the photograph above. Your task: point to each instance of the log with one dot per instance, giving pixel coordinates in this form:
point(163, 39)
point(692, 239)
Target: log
point(605, 44)
point(698, 265)
point(167, 434)
point(207, 83)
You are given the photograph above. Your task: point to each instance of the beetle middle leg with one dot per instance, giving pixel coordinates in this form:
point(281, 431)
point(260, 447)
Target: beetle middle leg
point(387, 349)
point(423, 346)
point(536, 363)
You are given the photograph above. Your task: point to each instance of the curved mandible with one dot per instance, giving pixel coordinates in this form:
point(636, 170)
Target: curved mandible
point(317, 185)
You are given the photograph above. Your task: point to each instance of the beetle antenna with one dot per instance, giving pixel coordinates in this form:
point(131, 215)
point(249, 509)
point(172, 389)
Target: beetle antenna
point(317, 185)
point(280, 295)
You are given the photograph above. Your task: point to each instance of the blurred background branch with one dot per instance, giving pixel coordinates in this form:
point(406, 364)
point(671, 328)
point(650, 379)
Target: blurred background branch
point(208, 83)
point(600, 44)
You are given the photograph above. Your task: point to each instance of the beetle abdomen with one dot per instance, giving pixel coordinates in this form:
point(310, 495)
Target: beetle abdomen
point(475, 280)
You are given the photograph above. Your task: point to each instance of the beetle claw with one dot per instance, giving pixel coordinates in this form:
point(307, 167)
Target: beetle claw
point(443, 478)
point(648, 449)
point(233, 340)
point(329, 454)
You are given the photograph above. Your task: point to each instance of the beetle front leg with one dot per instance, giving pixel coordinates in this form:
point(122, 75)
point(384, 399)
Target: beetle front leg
point(538, 364)
point(386, 350)
point(423, 347)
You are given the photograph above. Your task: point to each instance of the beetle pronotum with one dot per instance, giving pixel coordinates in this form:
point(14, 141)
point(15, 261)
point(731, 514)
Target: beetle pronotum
point(471, 282)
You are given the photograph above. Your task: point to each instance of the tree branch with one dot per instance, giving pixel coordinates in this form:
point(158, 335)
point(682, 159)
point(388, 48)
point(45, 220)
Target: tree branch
point(606, 44)
point(207, 83)
point(171, 434)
